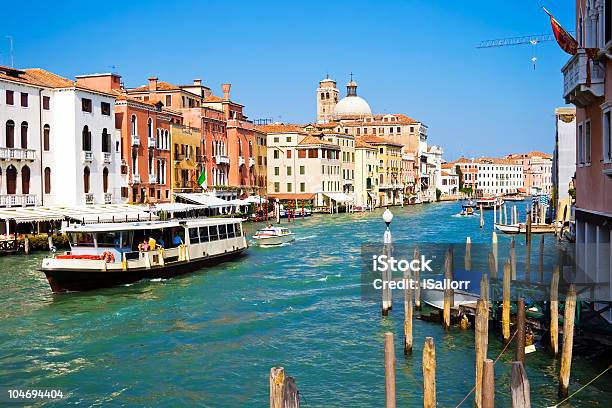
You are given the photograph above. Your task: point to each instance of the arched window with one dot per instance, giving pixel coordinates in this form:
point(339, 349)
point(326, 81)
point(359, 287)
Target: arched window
point(133, 124)
point(106, 141)
point(150, 128)
point(24, 135)
point(86, 180)
point(239, 147)
point(167, 140)
point(47, 180)
point(322, 96)
point(25, 180)
point(10, 133)
point(86, 136)
point(11, 180)
point(327, 95)
point(105, 180)
point(46, 137)
point(250, 148)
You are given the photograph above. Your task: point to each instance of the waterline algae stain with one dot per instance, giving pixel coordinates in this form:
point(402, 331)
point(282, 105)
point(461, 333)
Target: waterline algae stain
point(210, 338)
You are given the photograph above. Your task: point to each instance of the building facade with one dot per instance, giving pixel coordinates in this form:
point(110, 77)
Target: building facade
point(537, 171)
point(564, 161)
point(366, 174)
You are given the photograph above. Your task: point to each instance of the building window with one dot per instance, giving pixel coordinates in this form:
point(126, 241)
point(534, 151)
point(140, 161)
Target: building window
point(607, 135)
point(133, 125)
point(608, 21)
point(289, 170)
point(289, 187)
point(106, 109)
point(288, 154)
point(47, 180)
point(46, 103)
point(106, 141)
point(302, 187)
point(587, 142)
point(86, 180)
point(10, 97)
point(105, 180)
point(168, 100)
point(11, 180)
point(10, 134)
point(302, 170)
point(25, 180)
point(276, 187)
point(24, 135)
point(277, 171)
point(24, 99)
point(86, 139)
point(288, 139)
point(580, 144)
point(276, 154)
point(46, 137)
point(86, 105)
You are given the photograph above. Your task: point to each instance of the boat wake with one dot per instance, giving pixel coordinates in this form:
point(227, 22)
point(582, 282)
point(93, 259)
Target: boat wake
point(306, 237)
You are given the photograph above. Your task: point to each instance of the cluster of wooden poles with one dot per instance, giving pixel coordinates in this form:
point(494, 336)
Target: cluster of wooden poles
point(484, 388)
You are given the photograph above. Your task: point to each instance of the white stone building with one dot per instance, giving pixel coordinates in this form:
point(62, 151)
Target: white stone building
point(498, 176)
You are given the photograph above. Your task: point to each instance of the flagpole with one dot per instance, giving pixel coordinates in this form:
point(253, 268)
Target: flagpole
point(547, 12)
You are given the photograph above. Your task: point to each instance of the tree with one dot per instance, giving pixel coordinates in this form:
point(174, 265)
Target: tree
point(460, 174)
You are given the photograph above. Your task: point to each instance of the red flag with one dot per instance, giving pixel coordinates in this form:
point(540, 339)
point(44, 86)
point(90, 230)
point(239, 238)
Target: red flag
point(564, 39)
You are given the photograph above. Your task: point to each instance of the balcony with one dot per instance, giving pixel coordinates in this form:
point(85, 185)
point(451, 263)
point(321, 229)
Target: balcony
point(89, 198)
point(135, 140)
point(575, 88)
point(219, 159)
point(17, 200)
point(12, 153)
point(108, 198)
point(107, 158)
point(251, 161)
point(87, 157)
point(241, 161)
point(135, 178)
point(151, 142)
point(152, 179)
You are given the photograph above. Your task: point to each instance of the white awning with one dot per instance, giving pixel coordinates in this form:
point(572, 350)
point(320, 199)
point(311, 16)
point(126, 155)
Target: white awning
point(339, 197)
point(239, 202)
point(207, 200)
point(175, 207)
point(87, 214)
point(255, 199)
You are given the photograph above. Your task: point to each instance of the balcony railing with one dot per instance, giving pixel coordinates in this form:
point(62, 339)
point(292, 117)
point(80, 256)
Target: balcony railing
point(219, 159)
point(89, 198)
point(107, 157)
point(135, 140)
point(13, 153)
point(17, 200)
point(576, 90)
point(251, 161)
point(151, 142)
point(108, 198)
point(135, 178)
point(87, 157)
point(152, 179)
point(240, 161)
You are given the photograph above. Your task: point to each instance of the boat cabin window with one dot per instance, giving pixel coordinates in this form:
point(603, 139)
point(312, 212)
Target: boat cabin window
point(230, 231)
point(203, 234)
point(81, 239)
point(113, 239)
point(238, 229)
point(222, 231)
point(213, 233)
point(193, 236)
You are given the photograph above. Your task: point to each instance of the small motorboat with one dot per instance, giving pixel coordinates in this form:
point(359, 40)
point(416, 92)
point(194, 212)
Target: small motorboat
point(488, 203)
point(273, 236)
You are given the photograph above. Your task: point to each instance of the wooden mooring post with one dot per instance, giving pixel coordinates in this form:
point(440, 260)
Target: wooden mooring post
point(429, 373)
point(541, 259)
point(506, 303)
point(494, 248)
point(417, 278)
point(521, 393)
point(481, 217)
point(554, 311)
point(494, 216)
point(505, 215)
point(492, 265)
point(513, 258)
point(26, 245)
point(283, 390)
point(520, 330)
point(389, 371)
point(488, 384)
point(568, 341)
point(528, 228)
point(407, 313)
point(449, 296)
point(481, 343)
point(467, 260)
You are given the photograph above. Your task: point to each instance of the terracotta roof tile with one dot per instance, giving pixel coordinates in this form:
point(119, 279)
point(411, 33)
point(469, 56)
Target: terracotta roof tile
point(360, 144)
point(213, 98)
point(316, 140)
point(280, 128)
point(161, 86)
point(371, 139)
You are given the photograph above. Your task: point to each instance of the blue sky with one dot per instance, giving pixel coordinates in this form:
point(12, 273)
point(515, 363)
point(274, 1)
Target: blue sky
point(412, 57)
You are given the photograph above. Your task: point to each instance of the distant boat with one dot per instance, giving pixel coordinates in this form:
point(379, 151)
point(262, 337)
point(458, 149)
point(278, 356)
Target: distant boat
point(488, 203)
point(514, 197)
point(514, 229)
point(273, 236)
point(435, 297)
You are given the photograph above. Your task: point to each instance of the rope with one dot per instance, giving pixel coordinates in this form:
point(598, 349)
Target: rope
point(583, 387)
point(498, 357)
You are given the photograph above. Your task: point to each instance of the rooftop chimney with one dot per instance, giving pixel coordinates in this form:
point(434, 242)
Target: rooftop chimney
point(226, 91)
point(197, 82)
point(152, 83)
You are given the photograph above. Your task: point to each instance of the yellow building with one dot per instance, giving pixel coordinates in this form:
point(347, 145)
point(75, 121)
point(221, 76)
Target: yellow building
point(389, 156)
point(260, 153)
point(366, 174)
point(185, 159)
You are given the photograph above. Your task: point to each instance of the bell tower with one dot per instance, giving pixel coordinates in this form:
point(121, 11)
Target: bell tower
point(327, 98)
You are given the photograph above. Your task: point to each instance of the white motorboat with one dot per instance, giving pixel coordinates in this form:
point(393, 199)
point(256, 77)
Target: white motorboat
point(273, 236)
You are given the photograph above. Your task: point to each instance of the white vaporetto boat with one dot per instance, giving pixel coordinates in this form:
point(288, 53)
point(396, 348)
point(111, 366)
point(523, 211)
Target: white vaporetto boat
point(273, 236)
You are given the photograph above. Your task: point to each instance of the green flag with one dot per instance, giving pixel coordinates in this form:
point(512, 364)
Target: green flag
point(202, 179)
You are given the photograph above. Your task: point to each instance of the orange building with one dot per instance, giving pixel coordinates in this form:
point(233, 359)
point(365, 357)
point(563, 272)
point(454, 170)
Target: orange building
point(145, 140)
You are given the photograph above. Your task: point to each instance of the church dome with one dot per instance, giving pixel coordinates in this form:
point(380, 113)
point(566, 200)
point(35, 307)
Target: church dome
point(352, 106)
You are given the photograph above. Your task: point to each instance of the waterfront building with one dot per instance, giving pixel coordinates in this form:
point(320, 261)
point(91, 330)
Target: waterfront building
point(449, 180)
point(260, 154)
point(564, 160)
point(70, 155)
point(588, 86)
point(431, 180)
point(498, 176)
point(408, 175)
point(468, 173)
point(302, 166)
point(389, 156)
point(537, 171)
point(186, 145)
point(346, 143)
point(366, 174)
point(145, 140)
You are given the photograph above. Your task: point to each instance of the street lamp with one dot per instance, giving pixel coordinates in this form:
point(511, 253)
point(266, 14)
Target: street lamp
point(387, 217)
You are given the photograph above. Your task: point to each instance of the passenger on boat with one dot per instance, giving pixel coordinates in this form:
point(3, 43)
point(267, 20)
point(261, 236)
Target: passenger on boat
point(177, 240)
point(152, 243)
point(143, 246)
point(161, 242)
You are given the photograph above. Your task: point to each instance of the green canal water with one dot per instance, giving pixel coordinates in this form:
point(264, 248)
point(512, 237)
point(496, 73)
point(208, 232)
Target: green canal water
point(210, 338)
